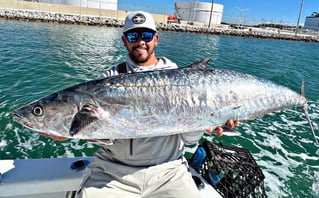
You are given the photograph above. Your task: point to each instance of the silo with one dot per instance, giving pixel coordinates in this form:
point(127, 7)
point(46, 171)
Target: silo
point(199, 12)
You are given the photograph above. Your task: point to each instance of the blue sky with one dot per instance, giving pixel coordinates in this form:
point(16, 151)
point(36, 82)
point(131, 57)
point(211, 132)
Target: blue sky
point(254, 11)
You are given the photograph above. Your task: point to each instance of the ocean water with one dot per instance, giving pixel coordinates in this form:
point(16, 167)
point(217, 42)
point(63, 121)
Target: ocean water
point(37, 59)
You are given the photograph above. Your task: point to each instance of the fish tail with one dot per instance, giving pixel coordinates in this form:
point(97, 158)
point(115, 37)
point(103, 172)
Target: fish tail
point(305, 110)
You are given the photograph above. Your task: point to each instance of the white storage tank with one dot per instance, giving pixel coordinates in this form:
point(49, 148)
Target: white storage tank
point(199, 12)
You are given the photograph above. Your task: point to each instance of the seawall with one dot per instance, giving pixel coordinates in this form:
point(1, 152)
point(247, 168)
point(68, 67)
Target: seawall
point(42, 12)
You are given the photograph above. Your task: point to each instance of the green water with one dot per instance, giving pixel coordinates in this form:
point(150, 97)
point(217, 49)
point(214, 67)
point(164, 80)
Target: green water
point(39, 58)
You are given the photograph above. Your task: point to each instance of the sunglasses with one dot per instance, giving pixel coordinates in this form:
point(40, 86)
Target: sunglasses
point(145, 36)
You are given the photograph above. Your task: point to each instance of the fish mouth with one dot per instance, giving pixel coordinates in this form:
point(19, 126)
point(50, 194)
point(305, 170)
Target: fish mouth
point(20, 119)
point(17, 117)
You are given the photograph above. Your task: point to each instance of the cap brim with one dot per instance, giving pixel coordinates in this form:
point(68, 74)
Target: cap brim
point(132, 28)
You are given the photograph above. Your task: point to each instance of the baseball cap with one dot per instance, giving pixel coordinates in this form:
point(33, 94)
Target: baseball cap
point(139, 19)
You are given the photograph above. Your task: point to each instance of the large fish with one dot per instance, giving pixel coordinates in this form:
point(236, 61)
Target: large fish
point(156, 103)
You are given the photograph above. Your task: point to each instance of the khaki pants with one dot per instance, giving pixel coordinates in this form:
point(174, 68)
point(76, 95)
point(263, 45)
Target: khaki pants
point(106, 179)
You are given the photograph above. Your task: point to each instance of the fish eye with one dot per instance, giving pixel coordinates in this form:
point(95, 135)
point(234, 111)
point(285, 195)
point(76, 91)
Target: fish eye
point(37, 111)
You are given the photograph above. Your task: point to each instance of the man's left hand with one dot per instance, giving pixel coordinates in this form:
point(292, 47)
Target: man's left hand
point(219, 130)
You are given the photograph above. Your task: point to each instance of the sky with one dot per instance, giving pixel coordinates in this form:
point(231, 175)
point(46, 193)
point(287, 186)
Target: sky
point(254, 11)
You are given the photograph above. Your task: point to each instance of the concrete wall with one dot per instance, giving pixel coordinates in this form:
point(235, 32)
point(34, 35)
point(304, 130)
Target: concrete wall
point(104, 4)
point(57, 8)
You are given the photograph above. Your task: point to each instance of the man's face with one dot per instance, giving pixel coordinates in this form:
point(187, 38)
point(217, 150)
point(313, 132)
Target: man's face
point(140, 44)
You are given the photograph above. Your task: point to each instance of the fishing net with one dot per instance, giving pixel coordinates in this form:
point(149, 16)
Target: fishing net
point(232, 171)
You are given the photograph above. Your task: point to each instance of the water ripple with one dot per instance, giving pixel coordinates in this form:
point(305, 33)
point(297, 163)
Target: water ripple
point(38, 59)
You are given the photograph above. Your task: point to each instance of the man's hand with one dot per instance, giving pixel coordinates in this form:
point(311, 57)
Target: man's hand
point(219, 130)
point(54, 137)
point(232, 124)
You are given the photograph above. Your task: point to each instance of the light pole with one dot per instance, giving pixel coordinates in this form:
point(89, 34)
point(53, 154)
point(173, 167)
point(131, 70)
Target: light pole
point(241, 17)
point(300, 11)
point(211, 13)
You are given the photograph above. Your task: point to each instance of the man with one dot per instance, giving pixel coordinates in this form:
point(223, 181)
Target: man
point(143, 167)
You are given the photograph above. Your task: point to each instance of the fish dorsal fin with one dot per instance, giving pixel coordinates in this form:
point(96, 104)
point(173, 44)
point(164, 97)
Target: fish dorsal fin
point(200, 64)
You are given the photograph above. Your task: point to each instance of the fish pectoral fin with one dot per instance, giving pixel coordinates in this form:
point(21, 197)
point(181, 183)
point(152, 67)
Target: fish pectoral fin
point(84, 117)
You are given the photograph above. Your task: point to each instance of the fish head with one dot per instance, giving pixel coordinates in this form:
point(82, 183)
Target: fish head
point(52, 114)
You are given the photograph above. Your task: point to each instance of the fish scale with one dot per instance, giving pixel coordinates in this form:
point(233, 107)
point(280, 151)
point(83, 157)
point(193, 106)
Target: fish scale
point(156, 103)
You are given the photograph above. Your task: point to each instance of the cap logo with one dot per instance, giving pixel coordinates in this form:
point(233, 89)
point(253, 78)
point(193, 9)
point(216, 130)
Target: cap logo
point(138, 19)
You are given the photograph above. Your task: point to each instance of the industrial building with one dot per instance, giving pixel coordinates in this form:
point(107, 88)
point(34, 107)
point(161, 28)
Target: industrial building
point(312, 22)
point(98, 4)
point(199, 12)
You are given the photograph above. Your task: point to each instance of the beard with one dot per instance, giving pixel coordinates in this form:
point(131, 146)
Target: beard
point(140, 54)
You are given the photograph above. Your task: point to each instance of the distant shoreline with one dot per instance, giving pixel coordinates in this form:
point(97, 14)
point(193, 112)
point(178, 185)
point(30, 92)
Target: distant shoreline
point(39, 16)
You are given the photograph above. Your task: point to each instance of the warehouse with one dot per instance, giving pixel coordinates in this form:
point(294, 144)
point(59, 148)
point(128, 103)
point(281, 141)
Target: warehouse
point(98, 4)
point(312, 22)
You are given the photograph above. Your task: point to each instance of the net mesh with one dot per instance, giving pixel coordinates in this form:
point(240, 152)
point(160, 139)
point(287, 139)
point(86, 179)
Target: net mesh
point(232, 171)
